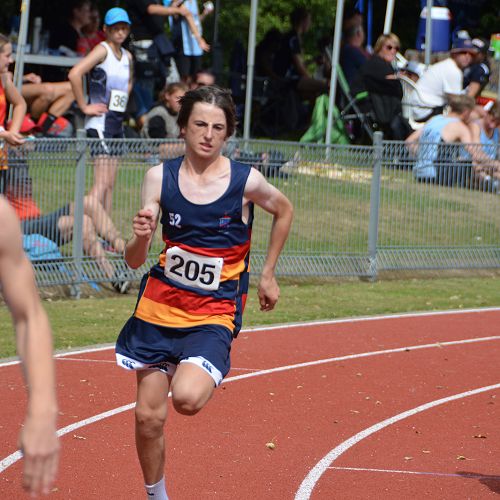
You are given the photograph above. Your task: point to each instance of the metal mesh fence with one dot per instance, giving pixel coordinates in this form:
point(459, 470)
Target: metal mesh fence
point(358, 209)
point(438, 210)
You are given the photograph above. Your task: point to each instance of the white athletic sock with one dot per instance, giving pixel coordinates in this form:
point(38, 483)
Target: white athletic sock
point(156, 491)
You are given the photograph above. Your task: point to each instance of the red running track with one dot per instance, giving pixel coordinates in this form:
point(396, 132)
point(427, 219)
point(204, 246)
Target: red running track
point(388, 407)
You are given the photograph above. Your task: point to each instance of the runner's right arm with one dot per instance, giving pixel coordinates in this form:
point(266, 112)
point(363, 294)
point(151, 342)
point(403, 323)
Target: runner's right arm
point(145, 221)
point(37, 440)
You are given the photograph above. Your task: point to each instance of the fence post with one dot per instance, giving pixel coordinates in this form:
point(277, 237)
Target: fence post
point(78, 211)
point(374, 205)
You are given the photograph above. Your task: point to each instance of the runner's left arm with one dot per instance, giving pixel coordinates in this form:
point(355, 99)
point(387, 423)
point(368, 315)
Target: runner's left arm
point(266, 196)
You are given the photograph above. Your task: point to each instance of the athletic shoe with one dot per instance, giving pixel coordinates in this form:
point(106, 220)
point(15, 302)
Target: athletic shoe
point(27, 127)
point(60, 128)
point(121, 282)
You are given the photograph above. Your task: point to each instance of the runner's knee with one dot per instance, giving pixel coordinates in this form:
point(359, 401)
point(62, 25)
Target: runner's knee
point(189, 401)
point(150, 422)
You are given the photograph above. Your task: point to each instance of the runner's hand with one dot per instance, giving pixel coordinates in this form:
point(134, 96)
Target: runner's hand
point(144, 224)
point(40, 446)
point(268, 292)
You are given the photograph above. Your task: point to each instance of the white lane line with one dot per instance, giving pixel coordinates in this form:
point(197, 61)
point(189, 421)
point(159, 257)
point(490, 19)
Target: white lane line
point(306, 488)
point(14, 457)
point(362, 355)
point(467, 475)
point(360, 319)
point(286, 326)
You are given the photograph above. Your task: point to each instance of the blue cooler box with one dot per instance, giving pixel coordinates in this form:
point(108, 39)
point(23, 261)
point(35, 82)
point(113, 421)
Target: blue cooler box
point(441, 21)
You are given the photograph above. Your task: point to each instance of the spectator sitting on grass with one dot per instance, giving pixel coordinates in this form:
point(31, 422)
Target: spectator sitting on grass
point(439, 146)
point(58, 225)
point(485, 131)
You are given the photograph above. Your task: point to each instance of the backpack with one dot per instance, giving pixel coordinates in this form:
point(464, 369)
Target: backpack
point(38, 247)
point(46, 257)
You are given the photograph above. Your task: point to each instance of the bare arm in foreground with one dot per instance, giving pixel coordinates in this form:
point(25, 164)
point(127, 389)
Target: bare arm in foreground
point(38, 440)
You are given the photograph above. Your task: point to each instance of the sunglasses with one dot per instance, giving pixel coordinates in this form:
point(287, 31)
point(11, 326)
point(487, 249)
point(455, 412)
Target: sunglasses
point(391, 47)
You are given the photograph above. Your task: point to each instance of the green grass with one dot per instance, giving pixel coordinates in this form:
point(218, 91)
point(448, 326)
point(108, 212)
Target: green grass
point(98, 320)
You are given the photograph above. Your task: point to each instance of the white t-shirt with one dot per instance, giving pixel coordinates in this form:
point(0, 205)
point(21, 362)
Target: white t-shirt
point(441, 78)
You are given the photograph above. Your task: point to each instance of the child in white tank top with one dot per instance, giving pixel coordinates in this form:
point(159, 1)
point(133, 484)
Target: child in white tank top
point(109, 71)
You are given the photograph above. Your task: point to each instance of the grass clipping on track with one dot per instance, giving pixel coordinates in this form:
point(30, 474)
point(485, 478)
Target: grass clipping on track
point(91, 321)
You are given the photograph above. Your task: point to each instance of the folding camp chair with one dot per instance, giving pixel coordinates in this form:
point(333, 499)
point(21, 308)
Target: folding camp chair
point(351, 114)
point(409, 88)
point(350, 110)
point(316, 133)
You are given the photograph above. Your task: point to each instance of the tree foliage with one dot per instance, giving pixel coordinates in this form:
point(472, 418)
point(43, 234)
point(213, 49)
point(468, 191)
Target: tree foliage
point(234, 20)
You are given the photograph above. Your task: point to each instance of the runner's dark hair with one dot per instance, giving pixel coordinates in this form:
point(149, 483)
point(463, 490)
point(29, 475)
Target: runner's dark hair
point(210, 94)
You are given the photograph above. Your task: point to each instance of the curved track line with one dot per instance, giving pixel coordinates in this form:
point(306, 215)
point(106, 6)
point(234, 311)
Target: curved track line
point(307, 486)
point(14, 457)
point(298, 325)
point(417, 473)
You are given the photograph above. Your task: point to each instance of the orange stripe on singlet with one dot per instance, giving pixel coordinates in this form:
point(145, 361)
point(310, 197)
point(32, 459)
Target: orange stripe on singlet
point(191, 302)
point(173, 317)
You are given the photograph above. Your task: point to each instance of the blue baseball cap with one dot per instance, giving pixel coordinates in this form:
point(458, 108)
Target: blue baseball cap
point(464, 45)
point(116, 15)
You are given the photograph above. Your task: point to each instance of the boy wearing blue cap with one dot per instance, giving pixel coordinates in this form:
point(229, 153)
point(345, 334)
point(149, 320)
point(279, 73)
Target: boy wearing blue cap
point(109, 70)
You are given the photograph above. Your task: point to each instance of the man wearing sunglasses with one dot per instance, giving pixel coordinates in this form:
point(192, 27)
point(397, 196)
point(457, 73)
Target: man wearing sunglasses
point(442, 78)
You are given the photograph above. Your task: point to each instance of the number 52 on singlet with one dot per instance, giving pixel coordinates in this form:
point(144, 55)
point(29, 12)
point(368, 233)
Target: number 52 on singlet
point(193, 270)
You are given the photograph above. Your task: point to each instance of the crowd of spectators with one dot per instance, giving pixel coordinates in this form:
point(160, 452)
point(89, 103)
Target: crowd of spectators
point(443, 101)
